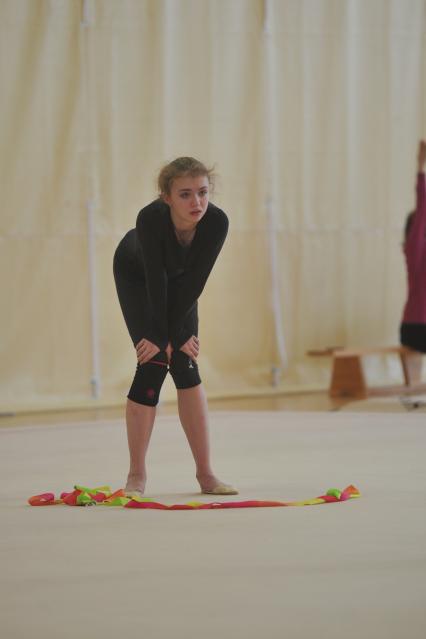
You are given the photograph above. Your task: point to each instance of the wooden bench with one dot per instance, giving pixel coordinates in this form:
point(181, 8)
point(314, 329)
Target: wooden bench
point(348, 379)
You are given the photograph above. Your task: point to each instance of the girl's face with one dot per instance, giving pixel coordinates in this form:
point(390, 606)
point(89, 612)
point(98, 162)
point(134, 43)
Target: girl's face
point(188, 200)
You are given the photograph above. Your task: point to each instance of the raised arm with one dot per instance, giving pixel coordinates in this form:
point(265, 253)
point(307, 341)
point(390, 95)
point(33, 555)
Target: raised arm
point(209, 246)
point(416, 237)
point(148, 227)
point(421, 156)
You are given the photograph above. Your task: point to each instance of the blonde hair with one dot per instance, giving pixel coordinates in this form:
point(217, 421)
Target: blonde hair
point(179, 168)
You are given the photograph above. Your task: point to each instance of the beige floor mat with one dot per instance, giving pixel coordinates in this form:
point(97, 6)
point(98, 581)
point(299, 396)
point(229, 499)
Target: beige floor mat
point(392, 404)
point(341, 571)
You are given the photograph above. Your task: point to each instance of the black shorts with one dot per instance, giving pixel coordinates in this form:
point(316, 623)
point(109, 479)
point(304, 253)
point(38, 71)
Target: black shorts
point(413, 336)
point(149, 377)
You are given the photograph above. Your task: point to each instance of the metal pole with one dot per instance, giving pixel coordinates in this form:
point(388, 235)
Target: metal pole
point(270, 200)
point(90, 157)
point(91, 245)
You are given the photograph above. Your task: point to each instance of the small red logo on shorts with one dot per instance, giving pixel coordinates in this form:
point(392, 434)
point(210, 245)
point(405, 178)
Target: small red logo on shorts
point(150, 393)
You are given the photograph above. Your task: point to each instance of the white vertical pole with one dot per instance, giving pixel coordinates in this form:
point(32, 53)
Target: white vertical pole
point(91, 244)
point(270, 199)
point(85, 13)
point(90, 156)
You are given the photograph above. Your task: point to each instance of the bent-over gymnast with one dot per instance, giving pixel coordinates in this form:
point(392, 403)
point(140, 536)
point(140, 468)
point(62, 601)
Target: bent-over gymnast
point(160, 269)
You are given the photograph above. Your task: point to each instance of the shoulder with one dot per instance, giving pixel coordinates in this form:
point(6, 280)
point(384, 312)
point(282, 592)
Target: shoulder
point(216, 219)
point(153, 215)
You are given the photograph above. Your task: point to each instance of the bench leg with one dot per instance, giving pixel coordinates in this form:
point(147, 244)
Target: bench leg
point(348, 378)
point(412, 367)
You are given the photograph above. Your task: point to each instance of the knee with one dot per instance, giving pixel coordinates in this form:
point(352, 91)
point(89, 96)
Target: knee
point(148, 381)
point(184, 371)
point(135, 409)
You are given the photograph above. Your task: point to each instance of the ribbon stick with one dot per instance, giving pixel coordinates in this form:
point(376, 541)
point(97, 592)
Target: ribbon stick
point(103, 496)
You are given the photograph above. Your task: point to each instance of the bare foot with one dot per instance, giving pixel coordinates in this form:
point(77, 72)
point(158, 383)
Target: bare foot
point(208, 482)
point(135, 483)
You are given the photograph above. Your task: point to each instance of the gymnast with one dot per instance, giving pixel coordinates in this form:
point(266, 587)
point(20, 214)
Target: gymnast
point(413, 325)
point(160, 270)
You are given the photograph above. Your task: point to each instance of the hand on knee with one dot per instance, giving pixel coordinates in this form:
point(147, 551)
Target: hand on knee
point(145, 350)
point(191, 347)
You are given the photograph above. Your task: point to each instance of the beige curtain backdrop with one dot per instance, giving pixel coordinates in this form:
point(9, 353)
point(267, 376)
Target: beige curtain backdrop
point(310, 110)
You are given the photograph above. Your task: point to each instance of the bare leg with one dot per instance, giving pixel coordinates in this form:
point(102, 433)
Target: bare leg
point(412, 366)
point(192, 405)
point(140, 422)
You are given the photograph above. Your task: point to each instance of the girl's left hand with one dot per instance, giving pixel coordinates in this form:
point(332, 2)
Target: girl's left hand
point(191, 347)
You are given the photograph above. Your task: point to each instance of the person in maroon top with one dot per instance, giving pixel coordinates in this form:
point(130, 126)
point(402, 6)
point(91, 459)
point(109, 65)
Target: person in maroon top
point(160, 270)
point(413, 325)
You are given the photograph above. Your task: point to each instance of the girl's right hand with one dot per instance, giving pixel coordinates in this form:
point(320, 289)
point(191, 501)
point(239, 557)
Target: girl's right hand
point(191, 347)
point(145, 350)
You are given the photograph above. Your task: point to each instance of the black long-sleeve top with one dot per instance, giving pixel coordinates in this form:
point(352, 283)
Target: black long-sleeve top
point(175, 276)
